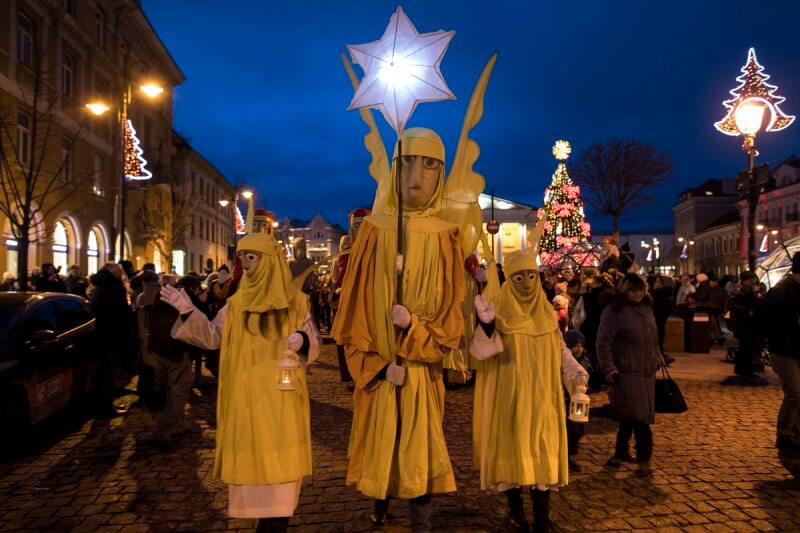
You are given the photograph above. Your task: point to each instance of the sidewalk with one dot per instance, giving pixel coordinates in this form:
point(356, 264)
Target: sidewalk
point(712, 367)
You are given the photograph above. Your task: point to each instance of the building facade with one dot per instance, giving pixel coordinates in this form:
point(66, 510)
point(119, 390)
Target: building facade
point(322, 237)
point(716, 248)
point(81, 51)
point(778, 213)
point(516, 220)
point(697, 210)
point(203, 217)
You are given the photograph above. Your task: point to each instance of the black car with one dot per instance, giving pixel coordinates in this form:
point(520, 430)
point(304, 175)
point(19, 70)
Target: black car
point(48, 357)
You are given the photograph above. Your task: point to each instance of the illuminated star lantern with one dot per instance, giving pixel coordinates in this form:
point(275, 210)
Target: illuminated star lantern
point(401, 69)
point(135, 164)
point(750, 100)
point(561, 150)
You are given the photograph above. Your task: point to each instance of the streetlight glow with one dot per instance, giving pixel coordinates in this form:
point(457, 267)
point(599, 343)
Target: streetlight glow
point(224, 203)
point(749, 115)
point(97, 108)
point(151, 89)
point(760, 227)
point(247, 194)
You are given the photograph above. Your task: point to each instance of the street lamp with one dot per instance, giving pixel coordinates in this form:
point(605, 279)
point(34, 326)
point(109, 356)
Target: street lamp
point(754, 107)
point(99, 108)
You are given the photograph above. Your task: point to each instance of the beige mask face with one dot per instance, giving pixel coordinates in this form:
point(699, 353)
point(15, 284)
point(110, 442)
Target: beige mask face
point(420, 179)
point(250, 261)
point(525, 282)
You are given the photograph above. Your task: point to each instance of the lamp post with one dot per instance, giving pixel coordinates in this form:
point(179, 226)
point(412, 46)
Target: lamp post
point(754, 107)
point(151, 90)
point(247, 195)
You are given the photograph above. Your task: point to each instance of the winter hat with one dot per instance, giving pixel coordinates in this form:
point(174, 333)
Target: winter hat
point(700, 278)
point(573, 337)
point(796, 263)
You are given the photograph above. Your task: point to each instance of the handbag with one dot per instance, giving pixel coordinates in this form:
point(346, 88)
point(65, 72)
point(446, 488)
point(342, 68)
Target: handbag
point(669, 398)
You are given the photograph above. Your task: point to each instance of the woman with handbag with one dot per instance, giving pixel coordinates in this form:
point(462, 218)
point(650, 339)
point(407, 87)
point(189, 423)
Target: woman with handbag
point(627, 349)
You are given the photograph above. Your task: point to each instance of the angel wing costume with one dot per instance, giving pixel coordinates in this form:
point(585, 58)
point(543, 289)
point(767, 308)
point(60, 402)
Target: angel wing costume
point(413, 462)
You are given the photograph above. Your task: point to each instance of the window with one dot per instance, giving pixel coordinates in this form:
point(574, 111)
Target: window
point(60, 246)
point(69, 6)
point(200, 228)
point(97, 178)
point(70, 314)
point(100, 29)
point(208, 233)
point(24, 138)
point(67, 66)
point(200, 264)
point(24, 40)
point(41, 318)
point(191, 234)
point(66, 159)
point(92, 251)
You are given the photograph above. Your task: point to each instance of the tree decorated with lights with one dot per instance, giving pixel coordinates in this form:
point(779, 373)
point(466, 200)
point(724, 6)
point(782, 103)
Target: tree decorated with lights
point(135, 164)
point(563, 207)
point(754, 87)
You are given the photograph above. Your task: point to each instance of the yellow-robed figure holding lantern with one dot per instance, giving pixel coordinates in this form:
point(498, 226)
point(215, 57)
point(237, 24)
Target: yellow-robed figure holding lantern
point(394, 350)
point(519, 424)
point(263, 447)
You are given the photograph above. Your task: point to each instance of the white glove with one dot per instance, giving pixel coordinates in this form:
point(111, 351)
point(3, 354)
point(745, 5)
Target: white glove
point(485, 310)
point(396, 373)
point(177, 298)
point(400, 316)
point(294, 341)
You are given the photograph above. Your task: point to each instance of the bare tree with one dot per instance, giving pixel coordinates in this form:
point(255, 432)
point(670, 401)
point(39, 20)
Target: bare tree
point(165, 213)
point(37, 172)
point(616, 174)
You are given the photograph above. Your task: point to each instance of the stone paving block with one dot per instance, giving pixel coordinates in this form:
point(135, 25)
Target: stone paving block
point(712, 470)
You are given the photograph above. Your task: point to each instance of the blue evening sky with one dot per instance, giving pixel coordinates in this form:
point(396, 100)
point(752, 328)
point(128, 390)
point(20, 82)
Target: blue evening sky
point(265, 95)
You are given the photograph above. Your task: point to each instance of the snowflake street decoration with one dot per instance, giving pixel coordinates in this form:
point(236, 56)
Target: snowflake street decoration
point(754, 91)
point(563, 208)
point(401, 69)
point(135, 164)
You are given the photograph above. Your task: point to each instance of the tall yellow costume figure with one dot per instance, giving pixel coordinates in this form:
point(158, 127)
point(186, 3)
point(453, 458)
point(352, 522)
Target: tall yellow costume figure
point(520, 420)
point(263, 447)
point(397, 446)
point(415, 463)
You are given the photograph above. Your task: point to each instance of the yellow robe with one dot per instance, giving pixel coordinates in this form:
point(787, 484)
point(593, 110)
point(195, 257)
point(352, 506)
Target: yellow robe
point(263, 433)
point(417, 463)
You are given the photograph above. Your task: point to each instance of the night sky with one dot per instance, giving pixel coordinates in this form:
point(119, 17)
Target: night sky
point(265, 95)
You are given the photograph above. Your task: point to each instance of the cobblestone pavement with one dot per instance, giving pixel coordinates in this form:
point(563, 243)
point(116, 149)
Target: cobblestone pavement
point(714, 470)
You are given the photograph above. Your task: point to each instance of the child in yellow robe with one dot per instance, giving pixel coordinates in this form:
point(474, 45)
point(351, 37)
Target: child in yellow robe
point(521, 436)
point(263, 446)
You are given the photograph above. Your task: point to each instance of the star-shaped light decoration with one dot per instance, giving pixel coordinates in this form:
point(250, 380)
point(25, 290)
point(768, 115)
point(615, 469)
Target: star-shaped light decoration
point(561, 150)
point(401, 69)
point(750, 100)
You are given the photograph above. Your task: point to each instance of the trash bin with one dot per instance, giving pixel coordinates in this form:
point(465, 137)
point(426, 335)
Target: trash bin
point(674, 335)
point(697, 330)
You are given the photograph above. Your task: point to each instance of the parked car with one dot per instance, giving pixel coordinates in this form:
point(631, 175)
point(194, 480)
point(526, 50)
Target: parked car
point(48, 357)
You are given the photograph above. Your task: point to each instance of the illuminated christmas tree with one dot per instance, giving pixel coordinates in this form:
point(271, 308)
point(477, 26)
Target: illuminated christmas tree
point(239, 221)
point(563, 207)
point(135, 165)
point(754, 87)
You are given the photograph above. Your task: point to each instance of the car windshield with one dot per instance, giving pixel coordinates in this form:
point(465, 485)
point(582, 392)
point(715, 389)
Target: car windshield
point(9, 316)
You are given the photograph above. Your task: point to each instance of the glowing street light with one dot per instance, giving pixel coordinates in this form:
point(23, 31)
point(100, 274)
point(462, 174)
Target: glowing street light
point(247, 194)
point(224, 203)
point(754, 106)
point(97, 108)
point(151, 89)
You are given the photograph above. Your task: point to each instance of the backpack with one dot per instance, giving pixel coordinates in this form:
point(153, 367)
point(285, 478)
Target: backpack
point(160, 317)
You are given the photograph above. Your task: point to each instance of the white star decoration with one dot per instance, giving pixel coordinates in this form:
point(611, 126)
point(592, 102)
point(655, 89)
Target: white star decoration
point(401, 69)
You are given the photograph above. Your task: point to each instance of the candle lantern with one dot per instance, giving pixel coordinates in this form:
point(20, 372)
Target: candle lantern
point(579, 407)
point(287, 370)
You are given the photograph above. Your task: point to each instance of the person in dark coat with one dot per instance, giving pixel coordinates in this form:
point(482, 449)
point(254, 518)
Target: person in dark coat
point(627, 348)
point(599, 294)
point(76, 283)
point(112, 324)
point(49, 280)
point(742, 319)
point(782, 318)
point(663, 303)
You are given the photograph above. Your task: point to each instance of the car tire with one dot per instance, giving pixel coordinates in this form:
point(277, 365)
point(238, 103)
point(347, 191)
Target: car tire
point(13, 422)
